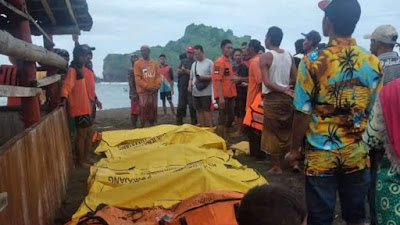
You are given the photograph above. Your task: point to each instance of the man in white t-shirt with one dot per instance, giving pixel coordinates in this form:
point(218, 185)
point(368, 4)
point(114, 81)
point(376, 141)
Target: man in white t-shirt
point(201, 87)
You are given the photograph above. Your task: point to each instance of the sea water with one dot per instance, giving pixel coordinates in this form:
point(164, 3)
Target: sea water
point(114, 95)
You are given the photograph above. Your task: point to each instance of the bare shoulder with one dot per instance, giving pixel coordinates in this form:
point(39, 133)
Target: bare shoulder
point(266, 58)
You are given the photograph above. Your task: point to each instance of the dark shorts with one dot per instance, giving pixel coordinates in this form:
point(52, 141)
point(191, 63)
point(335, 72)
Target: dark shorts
point(166, 95)
point(202, 103)
point(83, 121)
point(321, 197)
point(240, 106)
point(227, 115)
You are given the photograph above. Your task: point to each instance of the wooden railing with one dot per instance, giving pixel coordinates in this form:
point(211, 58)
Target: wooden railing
point(34, 171)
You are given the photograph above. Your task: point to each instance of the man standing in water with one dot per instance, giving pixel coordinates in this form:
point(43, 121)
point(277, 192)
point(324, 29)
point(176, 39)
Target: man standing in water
point(278, 73)
point(148, 82)
point(185, 97)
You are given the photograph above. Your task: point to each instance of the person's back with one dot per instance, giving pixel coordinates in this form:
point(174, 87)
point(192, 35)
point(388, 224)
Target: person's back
point(335, 91)
point(280, 69)
point(340, 93)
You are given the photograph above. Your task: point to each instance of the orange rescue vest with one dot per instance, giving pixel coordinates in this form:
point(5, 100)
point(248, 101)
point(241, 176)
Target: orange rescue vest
point(255, 113)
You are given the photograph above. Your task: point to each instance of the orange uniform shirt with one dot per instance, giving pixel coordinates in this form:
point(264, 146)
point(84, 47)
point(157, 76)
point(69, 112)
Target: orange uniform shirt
point(255, 80)
point(222, 71)
point(90, 83)
point(147, 76)
point(74, 88)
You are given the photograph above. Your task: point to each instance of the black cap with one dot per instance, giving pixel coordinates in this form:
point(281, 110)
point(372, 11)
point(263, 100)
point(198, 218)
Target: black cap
point(313, 36)
point(91, 48)
point(342, 11)
point(82, 50)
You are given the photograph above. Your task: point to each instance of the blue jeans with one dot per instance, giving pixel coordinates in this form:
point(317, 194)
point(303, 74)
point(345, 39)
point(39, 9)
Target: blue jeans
point(321, 197)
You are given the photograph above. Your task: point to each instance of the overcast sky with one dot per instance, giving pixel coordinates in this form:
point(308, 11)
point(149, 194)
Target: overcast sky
point(122, 26)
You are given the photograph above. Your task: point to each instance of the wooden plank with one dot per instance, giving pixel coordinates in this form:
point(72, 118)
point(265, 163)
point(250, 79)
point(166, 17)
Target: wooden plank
point(14, 9)
point(34, 171)
point(47, 9)
point(15, 91)
point(58, 30)
point(48, 80)
point(14, 47)
point(71, 12)
point(26, 16)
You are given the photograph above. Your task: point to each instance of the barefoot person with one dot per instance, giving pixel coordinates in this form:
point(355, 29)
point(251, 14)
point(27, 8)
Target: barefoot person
point(201, 87)
point(254, 107)
point(335, 91)
point(278, 73)
point(241, 80)
point(224, 88)
point(74, 90)
point(167, 85)
point(133, 95)
point(148, 81)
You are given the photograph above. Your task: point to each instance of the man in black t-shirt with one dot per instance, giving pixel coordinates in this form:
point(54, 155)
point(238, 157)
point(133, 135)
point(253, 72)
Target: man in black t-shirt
point(241, 79)
point(185, 97)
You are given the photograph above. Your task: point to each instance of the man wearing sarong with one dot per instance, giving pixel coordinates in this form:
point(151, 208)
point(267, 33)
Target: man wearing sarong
point(278, 74)
point(148, 82)
point(133, 95)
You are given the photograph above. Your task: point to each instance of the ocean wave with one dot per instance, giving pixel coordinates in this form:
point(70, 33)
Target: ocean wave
point(113, 83)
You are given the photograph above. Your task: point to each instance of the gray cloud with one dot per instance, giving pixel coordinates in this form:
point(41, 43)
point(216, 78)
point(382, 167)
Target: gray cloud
point(122, 26)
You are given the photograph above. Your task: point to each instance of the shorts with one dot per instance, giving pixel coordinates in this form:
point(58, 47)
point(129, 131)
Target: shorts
point(83, 121)
point(166, 95)
point(227, 115)
point(202, 103)
point(135, 107)
point(240, 106)
point(148, 104)
point(321, 197)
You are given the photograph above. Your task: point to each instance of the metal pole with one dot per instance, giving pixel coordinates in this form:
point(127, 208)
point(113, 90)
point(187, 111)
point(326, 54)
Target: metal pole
point(26, 70)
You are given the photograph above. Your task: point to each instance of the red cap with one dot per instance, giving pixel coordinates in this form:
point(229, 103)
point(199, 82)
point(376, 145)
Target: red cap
point(190, 49)
point(323, 4)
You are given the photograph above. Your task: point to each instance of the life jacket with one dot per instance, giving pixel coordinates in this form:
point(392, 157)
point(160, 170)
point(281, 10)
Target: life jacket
point(255, 113)
point(219, 207)
point(8, 76)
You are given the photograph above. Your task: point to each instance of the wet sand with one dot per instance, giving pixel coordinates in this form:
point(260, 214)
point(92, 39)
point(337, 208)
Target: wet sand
point(115, 119)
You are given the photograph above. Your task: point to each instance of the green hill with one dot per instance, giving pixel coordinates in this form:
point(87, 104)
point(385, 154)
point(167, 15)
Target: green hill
point(116, 66)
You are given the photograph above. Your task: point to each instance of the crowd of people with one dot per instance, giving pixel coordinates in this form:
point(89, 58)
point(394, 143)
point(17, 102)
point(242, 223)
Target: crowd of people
point(335, 104)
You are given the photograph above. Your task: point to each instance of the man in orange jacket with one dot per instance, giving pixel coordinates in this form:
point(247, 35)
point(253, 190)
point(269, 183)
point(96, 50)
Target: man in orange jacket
point(148, 82)
point(90, 79)
point(74, 90)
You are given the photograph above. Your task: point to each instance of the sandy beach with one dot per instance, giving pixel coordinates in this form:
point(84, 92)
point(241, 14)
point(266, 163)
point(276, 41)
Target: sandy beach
point(115, 119)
